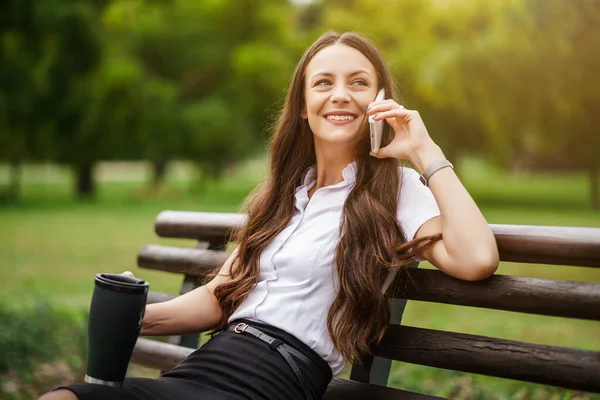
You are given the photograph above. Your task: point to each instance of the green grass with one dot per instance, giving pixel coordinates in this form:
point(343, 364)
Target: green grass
point(52, 246)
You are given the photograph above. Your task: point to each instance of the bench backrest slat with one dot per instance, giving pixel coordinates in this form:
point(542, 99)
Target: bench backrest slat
point(157, 297)
point(559, 366)
point(517, 243)
point(196, 262)
point(501, 292)
point(196, 225)
point(509, 293)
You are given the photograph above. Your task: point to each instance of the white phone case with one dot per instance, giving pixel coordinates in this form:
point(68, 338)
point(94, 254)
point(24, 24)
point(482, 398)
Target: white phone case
point(376, 127)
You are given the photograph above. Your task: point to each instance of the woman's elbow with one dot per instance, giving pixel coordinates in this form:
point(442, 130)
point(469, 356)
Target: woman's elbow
point(482, 266)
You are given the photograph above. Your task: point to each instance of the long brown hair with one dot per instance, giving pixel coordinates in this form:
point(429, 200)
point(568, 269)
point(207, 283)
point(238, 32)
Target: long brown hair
point(371, 241)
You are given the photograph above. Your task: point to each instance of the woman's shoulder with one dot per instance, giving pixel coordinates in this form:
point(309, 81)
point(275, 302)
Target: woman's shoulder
point(409, 178)
point(408, 171)
point(411, 186)
point(416, 203)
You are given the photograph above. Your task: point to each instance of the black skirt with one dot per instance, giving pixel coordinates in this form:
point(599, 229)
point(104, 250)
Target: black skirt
point(229, 366)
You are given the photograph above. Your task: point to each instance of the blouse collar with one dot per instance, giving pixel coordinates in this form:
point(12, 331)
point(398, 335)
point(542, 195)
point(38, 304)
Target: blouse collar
point(348, 175)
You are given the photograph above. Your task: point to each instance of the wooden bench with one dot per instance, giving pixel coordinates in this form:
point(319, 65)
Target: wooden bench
point(548, 365)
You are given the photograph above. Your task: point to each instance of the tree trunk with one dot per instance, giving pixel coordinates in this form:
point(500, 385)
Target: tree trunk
point(594, 172)
point(14, 185)
point(159, 170)
point(86, 187)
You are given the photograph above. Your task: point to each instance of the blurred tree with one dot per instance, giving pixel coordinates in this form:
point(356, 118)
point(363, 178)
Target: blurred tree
point(212, 73)
point(141, 79)
point(76, 105)
point(48, 50)
point(515, 80)
point(561, 37)
point(532, 80)
point(21, 87)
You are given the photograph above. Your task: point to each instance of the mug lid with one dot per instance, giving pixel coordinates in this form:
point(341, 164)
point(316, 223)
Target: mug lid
point(121, 283)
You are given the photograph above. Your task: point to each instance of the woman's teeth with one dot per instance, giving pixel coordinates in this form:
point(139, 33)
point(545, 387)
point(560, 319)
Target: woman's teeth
point(340, 117)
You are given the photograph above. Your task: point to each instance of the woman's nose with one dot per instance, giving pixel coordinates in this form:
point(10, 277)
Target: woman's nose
point(340, 94)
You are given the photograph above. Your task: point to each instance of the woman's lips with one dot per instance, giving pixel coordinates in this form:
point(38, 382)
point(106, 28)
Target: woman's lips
point(340, 118)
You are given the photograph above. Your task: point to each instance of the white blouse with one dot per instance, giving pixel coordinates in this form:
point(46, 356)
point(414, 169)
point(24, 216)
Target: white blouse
point(298, 279)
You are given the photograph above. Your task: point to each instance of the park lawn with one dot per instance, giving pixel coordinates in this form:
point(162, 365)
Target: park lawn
point(51, 247)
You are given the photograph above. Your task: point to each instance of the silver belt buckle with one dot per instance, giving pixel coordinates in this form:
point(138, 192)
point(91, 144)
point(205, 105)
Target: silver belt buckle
point(241, 327)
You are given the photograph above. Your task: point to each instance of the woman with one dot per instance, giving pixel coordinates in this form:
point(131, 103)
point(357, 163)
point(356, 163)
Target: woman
point(302, 293)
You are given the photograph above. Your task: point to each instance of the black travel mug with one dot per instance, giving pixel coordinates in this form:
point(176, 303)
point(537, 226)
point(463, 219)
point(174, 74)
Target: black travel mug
point(116, 312)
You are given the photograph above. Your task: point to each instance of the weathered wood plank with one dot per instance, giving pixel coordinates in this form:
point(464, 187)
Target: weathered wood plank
point(165, 356)
point(500, 292)
point(519, 243)
point(159, 355)
point(196, 225)
point(509, 293)
point(195, 262)
point(548, 244)
point(157, 297)
point(548, 365)
point(344, 389)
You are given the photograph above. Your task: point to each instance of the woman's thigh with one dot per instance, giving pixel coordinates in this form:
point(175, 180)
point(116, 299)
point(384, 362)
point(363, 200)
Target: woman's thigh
point(228, 367)
point(147, 389)
point(62, 394)
point(242, 366)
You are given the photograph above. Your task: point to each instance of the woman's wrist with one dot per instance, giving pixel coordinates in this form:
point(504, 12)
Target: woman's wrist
point(426, 154)
point(148, 322)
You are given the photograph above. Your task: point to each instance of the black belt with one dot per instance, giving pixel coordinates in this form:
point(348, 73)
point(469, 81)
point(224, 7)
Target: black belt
point(282, 348)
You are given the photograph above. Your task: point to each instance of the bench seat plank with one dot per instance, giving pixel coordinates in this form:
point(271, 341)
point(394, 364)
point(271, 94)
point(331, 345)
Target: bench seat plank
point(344, 389)
point(547, 365)
point(154, 354)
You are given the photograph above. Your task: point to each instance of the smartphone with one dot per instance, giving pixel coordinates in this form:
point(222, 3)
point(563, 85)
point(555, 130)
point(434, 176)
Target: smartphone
point(376, 127)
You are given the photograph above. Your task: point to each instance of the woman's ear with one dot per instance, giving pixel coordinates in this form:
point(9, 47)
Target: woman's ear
point(303, 114)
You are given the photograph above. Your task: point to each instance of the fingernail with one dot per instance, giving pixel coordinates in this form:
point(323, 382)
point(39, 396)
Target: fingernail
point(366, 108)
point(375, 116)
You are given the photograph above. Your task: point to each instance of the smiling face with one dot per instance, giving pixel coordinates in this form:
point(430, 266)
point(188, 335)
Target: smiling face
point(339, 83)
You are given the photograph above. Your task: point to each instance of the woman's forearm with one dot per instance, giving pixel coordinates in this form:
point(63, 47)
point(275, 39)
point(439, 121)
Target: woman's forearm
point(468, 240)
point(194, 312)
point(467, 235)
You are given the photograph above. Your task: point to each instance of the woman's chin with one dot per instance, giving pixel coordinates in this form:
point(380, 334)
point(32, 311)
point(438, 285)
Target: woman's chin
point(339, 137)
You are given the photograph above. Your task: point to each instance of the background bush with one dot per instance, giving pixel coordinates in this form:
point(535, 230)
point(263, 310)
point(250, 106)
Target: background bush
point(42, 347)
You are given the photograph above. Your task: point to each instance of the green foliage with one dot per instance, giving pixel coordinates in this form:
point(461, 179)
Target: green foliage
point(45, 49)
point(514, 80)
point(39, 343)
point(204, 92)
point(85, 81)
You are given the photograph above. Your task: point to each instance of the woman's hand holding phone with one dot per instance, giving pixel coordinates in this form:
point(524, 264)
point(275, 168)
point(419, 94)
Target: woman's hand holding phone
point(411, 141)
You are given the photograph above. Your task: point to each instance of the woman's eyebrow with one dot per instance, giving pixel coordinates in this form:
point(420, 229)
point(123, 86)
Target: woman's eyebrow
point(329, 74)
